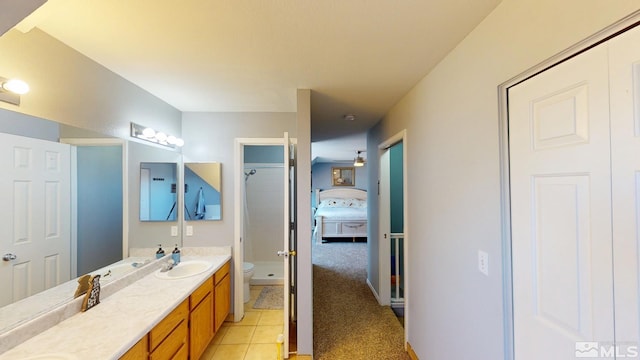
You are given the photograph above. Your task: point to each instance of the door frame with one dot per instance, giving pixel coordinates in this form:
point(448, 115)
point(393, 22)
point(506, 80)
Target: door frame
point(384, 257)
point(503, 128)
point(238, 250)
point(75, 142)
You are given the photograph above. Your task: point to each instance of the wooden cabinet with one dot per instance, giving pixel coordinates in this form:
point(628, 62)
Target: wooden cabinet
point(170, 338)
point(222, 294)
point(139, 351)
point(187, 331)
point(201, 319)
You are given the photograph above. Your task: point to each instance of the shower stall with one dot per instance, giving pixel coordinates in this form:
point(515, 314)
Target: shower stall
point(263, 225)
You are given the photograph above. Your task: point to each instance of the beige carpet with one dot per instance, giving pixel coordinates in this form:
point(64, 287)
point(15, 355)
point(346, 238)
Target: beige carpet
point(271, 298)
point(348, 323)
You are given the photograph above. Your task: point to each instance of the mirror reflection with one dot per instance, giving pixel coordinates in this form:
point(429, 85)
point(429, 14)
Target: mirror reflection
point(93, 231)
point(158, 191)
point(202, 191)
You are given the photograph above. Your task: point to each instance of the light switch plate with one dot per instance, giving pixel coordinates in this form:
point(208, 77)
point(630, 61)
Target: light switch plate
point(174, 231)
point(483, 262)
point(189, 230)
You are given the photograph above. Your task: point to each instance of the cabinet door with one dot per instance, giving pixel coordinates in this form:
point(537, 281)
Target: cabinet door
point(138, 351)
point(201, 326)
point(222, 301)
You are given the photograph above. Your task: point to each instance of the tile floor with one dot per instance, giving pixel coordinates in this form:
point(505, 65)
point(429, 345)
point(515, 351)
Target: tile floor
point(253, 338)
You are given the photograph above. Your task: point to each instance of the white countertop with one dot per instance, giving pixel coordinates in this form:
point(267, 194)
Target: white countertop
point(109, 329)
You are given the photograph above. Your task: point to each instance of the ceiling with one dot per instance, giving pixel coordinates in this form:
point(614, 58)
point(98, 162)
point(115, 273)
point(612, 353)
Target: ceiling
point(357, 56)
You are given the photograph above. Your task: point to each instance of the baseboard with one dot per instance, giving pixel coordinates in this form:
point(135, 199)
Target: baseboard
point(304, 357)
point(412, 354)
point(374, 292)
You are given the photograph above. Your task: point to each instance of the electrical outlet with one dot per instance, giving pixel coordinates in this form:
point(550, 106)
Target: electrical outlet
point(174, 231)
point(189, 230)
point(483, 262)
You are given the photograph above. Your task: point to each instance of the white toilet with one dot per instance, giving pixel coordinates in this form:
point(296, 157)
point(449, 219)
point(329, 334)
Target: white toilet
point(247, 268)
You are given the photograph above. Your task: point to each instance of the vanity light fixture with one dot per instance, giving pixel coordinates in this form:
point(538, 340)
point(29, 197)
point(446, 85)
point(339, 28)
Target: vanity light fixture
point(11, 89)
point(156, 137)
point(359, 160)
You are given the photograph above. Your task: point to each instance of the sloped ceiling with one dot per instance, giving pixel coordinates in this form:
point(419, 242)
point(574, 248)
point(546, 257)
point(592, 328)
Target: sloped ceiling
point(357, 56)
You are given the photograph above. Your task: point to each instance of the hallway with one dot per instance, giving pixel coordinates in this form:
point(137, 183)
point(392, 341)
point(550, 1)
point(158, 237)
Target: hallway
point(348, 322)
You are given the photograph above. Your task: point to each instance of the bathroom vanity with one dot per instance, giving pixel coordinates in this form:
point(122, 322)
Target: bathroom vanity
point(154, 317)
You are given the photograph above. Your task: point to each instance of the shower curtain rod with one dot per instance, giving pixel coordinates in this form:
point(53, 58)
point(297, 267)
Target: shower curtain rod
point(249, 166)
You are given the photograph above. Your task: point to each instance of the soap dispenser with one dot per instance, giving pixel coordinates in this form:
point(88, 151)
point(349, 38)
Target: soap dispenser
point(175, 255)
point(160, 252)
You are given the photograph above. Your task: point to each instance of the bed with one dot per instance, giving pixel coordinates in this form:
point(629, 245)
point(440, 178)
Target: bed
point(340, 213)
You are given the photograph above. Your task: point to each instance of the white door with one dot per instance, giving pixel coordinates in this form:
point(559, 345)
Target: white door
point(624, 54)
point(286, 253)
point(561, 209)
point(35, 194)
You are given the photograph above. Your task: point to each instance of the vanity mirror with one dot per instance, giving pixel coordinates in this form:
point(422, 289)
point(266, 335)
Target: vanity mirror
point(158, 195)
point(99, 207)
point(202, 191)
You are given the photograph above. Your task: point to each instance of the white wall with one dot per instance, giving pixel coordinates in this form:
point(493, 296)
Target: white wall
point(452, 149)
point(265, 194)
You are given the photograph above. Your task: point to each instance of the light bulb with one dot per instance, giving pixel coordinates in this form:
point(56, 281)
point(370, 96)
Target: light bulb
point(179, 142)
point(162, 137)
point(149, 133)
point(171, 139)
point(16, 86)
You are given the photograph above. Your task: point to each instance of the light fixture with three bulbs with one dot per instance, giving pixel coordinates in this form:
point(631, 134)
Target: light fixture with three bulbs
point(157, 137)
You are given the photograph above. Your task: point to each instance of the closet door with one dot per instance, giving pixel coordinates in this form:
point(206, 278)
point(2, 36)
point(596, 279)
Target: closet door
point(625, 159)
point(561, 209)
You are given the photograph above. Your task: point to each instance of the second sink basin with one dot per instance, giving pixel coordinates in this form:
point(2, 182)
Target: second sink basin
point(185, 269)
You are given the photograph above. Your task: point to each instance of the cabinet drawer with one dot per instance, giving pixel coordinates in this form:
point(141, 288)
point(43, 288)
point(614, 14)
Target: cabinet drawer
point(353, 228)
point(224, 270)
point(201, 292)
point(174, 346)
point(164, 328)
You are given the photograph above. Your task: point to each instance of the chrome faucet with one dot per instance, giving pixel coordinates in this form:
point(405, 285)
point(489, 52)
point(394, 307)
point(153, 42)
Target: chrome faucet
point(168, 265)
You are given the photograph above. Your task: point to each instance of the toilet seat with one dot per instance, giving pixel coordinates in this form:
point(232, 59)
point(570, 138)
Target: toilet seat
point(247, 267)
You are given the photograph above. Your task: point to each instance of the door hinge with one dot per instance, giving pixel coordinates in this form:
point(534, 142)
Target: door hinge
point(292, 226)
point(292, 289)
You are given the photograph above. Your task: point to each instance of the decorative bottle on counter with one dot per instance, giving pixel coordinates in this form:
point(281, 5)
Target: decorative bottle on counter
point(160, 252)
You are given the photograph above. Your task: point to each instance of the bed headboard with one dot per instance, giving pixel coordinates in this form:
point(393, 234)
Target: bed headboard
point(340, 194)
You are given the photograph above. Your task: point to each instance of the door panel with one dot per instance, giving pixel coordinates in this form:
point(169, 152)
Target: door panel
point(286, 248)
point(624, 55)
point(35, 189)
point(561, 205)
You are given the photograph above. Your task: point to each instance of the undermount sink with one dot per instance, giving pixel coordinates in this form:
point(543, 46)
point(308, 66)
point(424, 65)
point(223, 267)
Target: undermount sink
point(115, 271)
point(185, 269)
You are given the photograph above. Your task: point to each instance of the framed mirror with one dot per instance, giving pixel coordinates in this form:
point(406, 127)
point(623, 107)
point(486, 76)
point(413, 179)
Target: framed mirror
point(202, 188)
point(158, 183)
point(343, 176)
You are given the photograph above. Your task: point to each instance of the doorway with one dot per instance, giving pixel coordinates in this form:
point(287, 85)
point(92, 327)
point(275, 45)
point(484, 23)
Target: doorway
point(392, 241)
point(265, 240)
point(99, 200)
